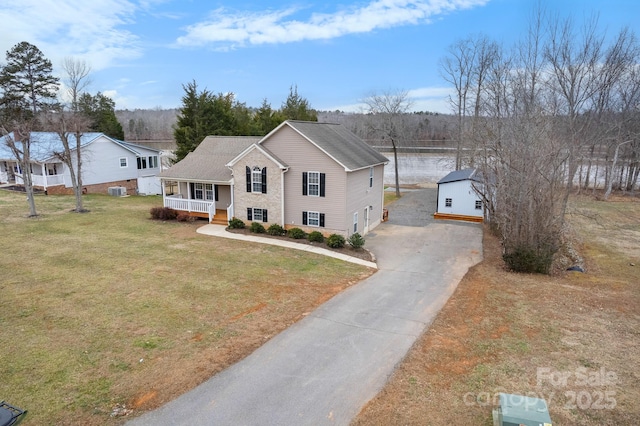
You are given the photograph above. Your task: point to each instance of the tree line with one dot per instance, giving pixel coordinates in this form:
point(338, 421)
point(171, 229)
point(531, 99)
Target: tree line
point(204, 113)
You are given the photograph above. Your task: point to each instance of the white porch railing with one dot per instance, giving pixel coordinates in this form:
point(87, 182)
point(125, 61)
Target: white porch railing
point(176, 202)
point(4, 178)
point(43, 181)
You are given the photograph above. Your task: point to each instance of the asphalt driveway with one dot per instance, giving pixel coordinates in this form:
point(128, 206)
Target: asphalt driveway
point(324, 368)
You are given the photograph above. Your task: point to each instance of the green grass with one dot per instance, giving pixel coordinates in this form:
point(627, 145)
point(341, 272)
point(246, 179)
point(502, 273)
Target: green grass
point(96, 307)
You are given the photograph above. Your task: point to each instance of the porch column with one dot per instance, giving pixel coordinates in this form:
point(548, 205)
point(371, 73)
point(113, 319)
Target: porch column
point(44, 175)
point(232, 206)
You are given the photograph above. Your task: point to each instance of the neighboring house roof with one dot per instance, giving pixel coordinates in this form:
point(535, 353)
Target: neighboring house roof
point(337, 142)
point(458, 175)
point(45, 144)
point(208, 161)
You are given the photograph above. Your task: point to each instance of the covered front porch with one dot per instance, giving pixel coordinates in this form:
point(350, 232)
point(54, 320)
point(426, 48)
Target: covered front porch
point(43, 175)
point(211, 201)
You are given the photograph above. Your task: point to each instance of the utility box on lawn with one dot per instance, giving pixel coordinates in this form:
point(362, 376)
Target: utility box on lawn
point(520, 410)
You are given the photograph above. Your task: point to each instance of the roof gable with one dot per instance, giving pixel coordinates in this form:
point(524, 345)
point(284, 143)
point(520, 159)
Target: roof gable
point(458, 175)
point(337, 142)
point(264, 152)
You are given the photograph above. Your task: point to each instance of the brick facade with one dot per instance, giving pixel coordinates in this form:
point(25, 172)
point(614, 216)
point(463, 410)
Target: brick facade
point(102, 188)
point(272, 200)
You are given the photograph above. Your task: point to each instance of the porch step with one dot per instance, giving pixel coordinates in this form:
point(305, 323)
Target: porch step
point(220, 221)
point(220, 218)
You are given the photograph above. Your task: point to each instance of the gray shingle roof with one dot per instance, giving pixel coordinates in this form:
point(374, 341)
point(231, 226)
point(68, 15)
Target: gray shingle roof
point(458, 175)
point(208, 161)
point(339, 143)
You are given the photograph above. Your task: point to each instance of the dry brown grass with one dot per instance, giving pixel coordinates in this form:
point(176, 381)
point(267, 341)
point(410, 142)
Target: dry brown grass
point(110, 311)
point(499, 328)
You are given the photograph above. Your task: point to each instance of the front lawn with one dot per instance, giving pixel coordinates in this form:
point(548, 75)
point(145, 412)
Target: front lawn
point(109, 311)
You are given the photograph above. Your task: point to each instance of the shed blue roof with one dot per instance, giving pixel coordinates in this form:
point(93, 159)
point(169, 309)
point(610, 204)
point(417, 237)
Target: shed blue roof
point(45, 144)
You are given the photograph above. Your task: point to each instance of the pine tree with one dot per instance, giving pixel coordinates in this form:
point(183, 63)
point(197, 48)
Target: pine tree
point(100, 109)
point(267, 119)
point(297, 108)
point(27, 82)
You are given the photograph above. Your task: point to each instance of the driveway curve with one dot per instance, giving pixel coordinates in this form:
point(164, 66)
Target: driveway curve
point(323, 369)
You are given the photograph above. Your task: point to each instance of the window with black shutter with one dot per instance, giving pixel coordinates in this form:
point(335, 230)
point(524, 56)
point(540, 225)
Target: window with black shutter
point(315, 219)
point(313, 184)
point(257, 215)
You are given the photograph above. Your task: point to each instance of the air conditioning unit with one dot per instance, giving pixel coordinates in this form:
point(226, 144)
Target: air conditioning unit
point(520, 410)
point(117, 191)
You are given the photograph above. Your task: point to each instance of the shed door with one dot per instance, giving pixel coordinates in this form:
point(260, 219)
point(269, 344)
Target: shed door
point(149, 185)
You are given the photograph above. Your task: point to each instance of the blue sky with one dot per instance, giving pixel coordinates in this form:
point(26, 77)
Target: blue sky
point(336, 52)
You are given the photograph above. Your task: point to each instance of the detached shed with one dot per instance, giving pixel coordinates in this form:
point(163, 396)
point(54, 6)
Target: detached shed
point(457, 197)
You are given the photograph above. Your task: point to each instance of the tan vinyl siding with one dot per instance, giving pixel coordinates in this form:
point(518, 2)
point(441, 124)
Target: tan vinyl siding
point(303, 156)
point(360, 196)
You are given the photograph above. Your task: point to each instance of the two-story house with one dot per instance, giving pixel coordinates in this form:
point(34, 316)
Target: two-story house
point(315, 176)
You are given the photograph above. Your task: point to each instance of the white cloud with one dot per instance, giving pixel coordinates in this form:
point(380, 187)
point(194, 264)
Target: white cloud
point(280, 26)
point(89, 30)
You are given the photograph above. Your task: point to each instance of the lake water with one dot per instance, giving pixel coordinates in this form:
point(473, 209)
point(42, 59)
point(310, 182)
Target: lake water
point(430, 168)
point(418, 168)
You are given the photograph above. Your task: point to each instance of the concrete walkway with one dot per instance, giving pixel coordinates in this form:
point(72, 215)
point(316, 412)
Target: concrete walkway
point(323, 369)
point(220, 231)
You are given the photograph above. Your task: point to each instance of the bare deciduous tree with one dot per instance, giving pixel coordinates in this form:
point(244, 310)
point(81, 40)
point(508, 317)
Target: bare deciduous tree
point(19, 142)
point(387, 111)
point(77, 79)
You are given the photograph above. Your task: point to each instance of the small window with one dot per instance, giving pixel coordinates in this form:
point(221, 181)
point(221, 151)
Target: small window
point(123, 162)
point(208, 191)
point(142, 163)
point(355, 222)
point(153, 161)
point(314, 184)
point(313, 218)
point(256, 180)
point(448, 202)
point(478, 205)
point(370, 177)
point(257, 215)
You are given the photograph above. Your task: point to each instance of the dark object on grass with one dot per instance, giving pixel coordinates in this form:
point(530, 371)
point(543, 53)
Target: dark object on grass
point(575, 268)
point(10, 415)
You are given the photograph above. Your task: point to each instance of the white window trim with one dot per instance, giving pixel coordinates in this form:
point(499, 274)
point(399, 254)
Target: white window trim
point(355, 222)
point(315, 185)
point(256, 172)
point(370, 177)
point(317, 219)
point(478, 204)
point(448, 202)
point(253, 214)
point(126, 162)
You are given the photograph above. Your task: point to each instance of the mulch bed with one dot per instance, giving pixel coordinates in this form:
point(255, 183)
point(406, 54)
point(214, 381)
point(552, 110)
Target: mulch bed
point(347, 250)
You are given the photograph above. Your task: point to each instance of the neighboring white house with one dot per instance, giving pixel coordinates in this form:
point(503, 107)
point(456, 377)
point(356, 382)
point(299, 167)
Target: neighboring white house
point(457, 196)
point(106, 162)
